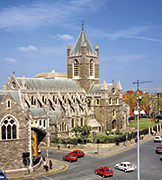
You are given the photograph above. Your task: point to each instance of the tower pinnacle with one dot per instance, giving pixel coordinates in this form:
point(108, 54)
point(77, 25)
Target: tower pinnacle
point(82, 25)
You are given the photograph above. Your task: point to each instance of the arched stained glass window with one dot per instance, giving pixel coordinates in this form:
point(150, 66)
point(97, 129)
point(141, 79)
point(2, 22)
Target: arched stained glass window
point(9, 128)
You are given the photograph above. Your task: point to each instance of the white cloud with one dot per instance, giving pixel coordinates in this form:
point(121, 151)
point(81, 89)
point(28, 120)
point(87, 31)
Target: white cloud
point(127, 58)
point(32, 15)
point(11, 60)
point(29, 48)
point(130, 33)
point(65, 36)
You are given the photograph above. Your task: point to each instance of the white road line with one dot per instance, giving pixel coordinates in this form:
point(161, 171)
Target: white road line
point(48, 178)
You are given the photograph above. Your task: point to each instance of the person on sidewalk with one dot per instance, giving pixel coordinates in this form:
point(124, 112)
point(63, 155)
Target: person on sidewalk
point(50, 164)
point(45, 166)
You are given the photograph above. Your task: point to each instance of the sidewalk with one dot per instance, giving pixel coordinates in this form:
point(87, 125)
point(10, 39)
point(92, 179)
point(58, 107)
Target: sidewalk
point(58, 166)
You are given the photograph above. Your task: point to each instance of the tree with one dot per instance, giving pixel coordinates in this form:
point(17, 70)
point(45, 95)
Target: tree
point(145, 103)
point(82, 132)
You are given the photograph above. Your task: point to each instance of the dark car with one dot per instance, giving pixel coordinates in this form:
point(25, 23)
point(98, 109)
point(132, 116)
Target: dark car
point(70, 158)
point(77, 153)
point(104, 171)
point(159, 149)
point(2, 175)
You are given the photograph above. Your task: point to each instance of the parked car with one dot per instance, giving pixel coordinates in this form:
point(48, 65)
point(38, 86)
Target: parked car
point(125, 166)
point(158, 149)
point(2, 175)
point(104, 171)
point(77, 153)
point(70, 158)
point(157, 139)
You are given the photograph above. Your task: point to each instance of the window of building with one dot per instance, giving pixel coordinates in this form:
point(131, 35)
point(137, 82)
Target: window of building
point(81, 122)
point(110, 100)
point(72, 123)
point(114, 112)
point(117, 101)
point(9, 128)
point(76, 67)
point(9, 104)
point(91, 71)
point(97, 101)
point(44, 123)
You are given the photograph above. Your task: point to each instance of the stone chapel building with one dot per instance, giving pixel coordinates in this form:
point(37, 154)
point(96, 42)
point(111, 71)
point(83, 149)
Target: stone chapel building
point(58, 102)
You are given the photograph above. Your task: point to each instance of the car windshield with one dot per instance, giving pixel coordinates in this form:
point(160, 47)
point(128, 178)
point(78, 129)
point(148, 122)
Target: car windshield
point(107, 170)
point(73, 156)
point(130, 165)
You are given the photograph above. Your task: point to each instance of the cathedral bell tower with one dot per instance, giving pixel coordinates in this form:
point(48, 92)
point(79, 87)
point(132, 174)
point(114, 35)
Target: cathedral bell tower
point(83, 62)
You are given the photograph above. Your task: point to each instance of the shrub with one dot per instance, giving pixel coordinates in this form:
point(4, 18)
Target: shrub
point(55, 140)
point(117, 132)
point(73, 141)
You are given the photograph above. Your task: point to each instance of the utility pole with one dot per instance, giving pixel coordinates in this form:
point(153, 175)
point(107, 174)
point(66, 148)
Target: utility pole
point(138, 152)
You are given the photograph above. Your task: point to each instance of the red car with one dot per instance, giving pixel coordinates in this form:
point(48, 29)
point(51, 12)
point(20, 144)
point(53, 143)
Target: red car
point(104, 171)
point(70, 158)
point(77, 153)
point(159, 149)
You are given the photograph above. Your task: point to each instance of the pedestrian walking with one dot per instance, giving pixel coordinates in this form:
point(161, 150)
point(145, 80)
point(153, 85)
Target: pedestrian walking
point(50, 164)
point(45, 166)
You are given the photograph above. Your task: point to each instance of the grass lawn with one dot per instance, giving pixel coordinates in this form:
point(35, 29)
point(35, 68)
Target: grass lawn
point(143, 123)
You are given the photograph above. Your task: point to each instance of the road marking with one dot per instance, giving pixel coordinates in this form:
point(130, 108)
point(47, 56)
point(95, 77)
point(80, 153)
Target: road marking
point(48, 178)
point(34, 178)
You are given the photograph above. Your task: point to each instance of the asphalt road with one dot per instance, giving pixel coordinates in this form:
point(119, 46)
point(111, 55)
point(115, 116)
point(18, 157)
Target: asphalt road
point(150, 165)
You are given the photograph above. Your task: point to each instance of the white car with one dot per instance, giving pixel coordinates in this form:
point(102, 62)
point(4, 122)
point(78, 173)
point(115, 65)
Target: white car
point(157, 139)
point(125, 166)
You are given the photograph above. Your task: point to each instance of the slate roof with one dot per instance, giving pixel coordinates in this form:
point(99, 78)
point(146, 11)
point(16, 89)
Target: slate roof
point(53, 116)
point(13, 93)
point(41, 83)
point(82, 38)
point(96, 88)
point(37, 111)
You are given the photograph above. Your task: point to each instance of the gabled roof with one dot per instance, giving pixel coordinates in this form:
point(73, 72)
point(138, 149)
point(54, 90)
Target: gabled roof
point(41, 83)
point(82, 39)
point(13, 93)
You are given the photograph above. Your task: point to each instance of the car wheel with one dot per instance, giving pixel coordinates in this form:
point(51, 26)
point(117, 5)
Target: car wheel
point(125, 170)
point(95, 172)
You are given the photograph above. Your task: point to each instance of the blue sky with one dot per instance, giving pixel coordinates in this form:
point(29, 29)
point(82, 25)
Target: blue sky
point(34, 35)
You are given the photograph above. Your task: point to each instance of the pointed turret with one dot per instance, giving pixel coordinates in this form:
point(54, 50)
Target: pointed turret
point(23, 82)
point(82, 41)
point(118, 86)
point(104, 86)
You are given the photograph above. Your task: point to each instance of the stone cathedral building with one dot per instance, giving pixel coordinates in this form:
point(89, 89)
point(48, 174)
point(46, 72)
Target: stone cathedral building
point(57, 102)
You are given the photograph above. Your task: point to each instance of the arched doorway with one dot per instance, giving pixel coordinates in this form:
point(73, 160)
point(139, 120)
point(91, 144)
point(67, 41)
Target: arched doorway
point(114, 124)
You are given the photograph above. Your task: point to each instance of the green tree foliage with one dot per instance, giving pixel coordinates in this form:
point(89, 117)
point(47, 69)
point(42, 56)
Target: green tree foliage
point(82, 132)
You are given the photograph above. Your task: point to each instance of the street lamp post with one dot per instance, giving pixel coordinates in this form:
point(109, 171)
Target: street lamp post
point(138, 152)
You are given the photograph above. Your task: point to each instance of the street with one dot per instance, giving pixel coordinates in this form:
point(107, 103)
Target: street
point(150, 165)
